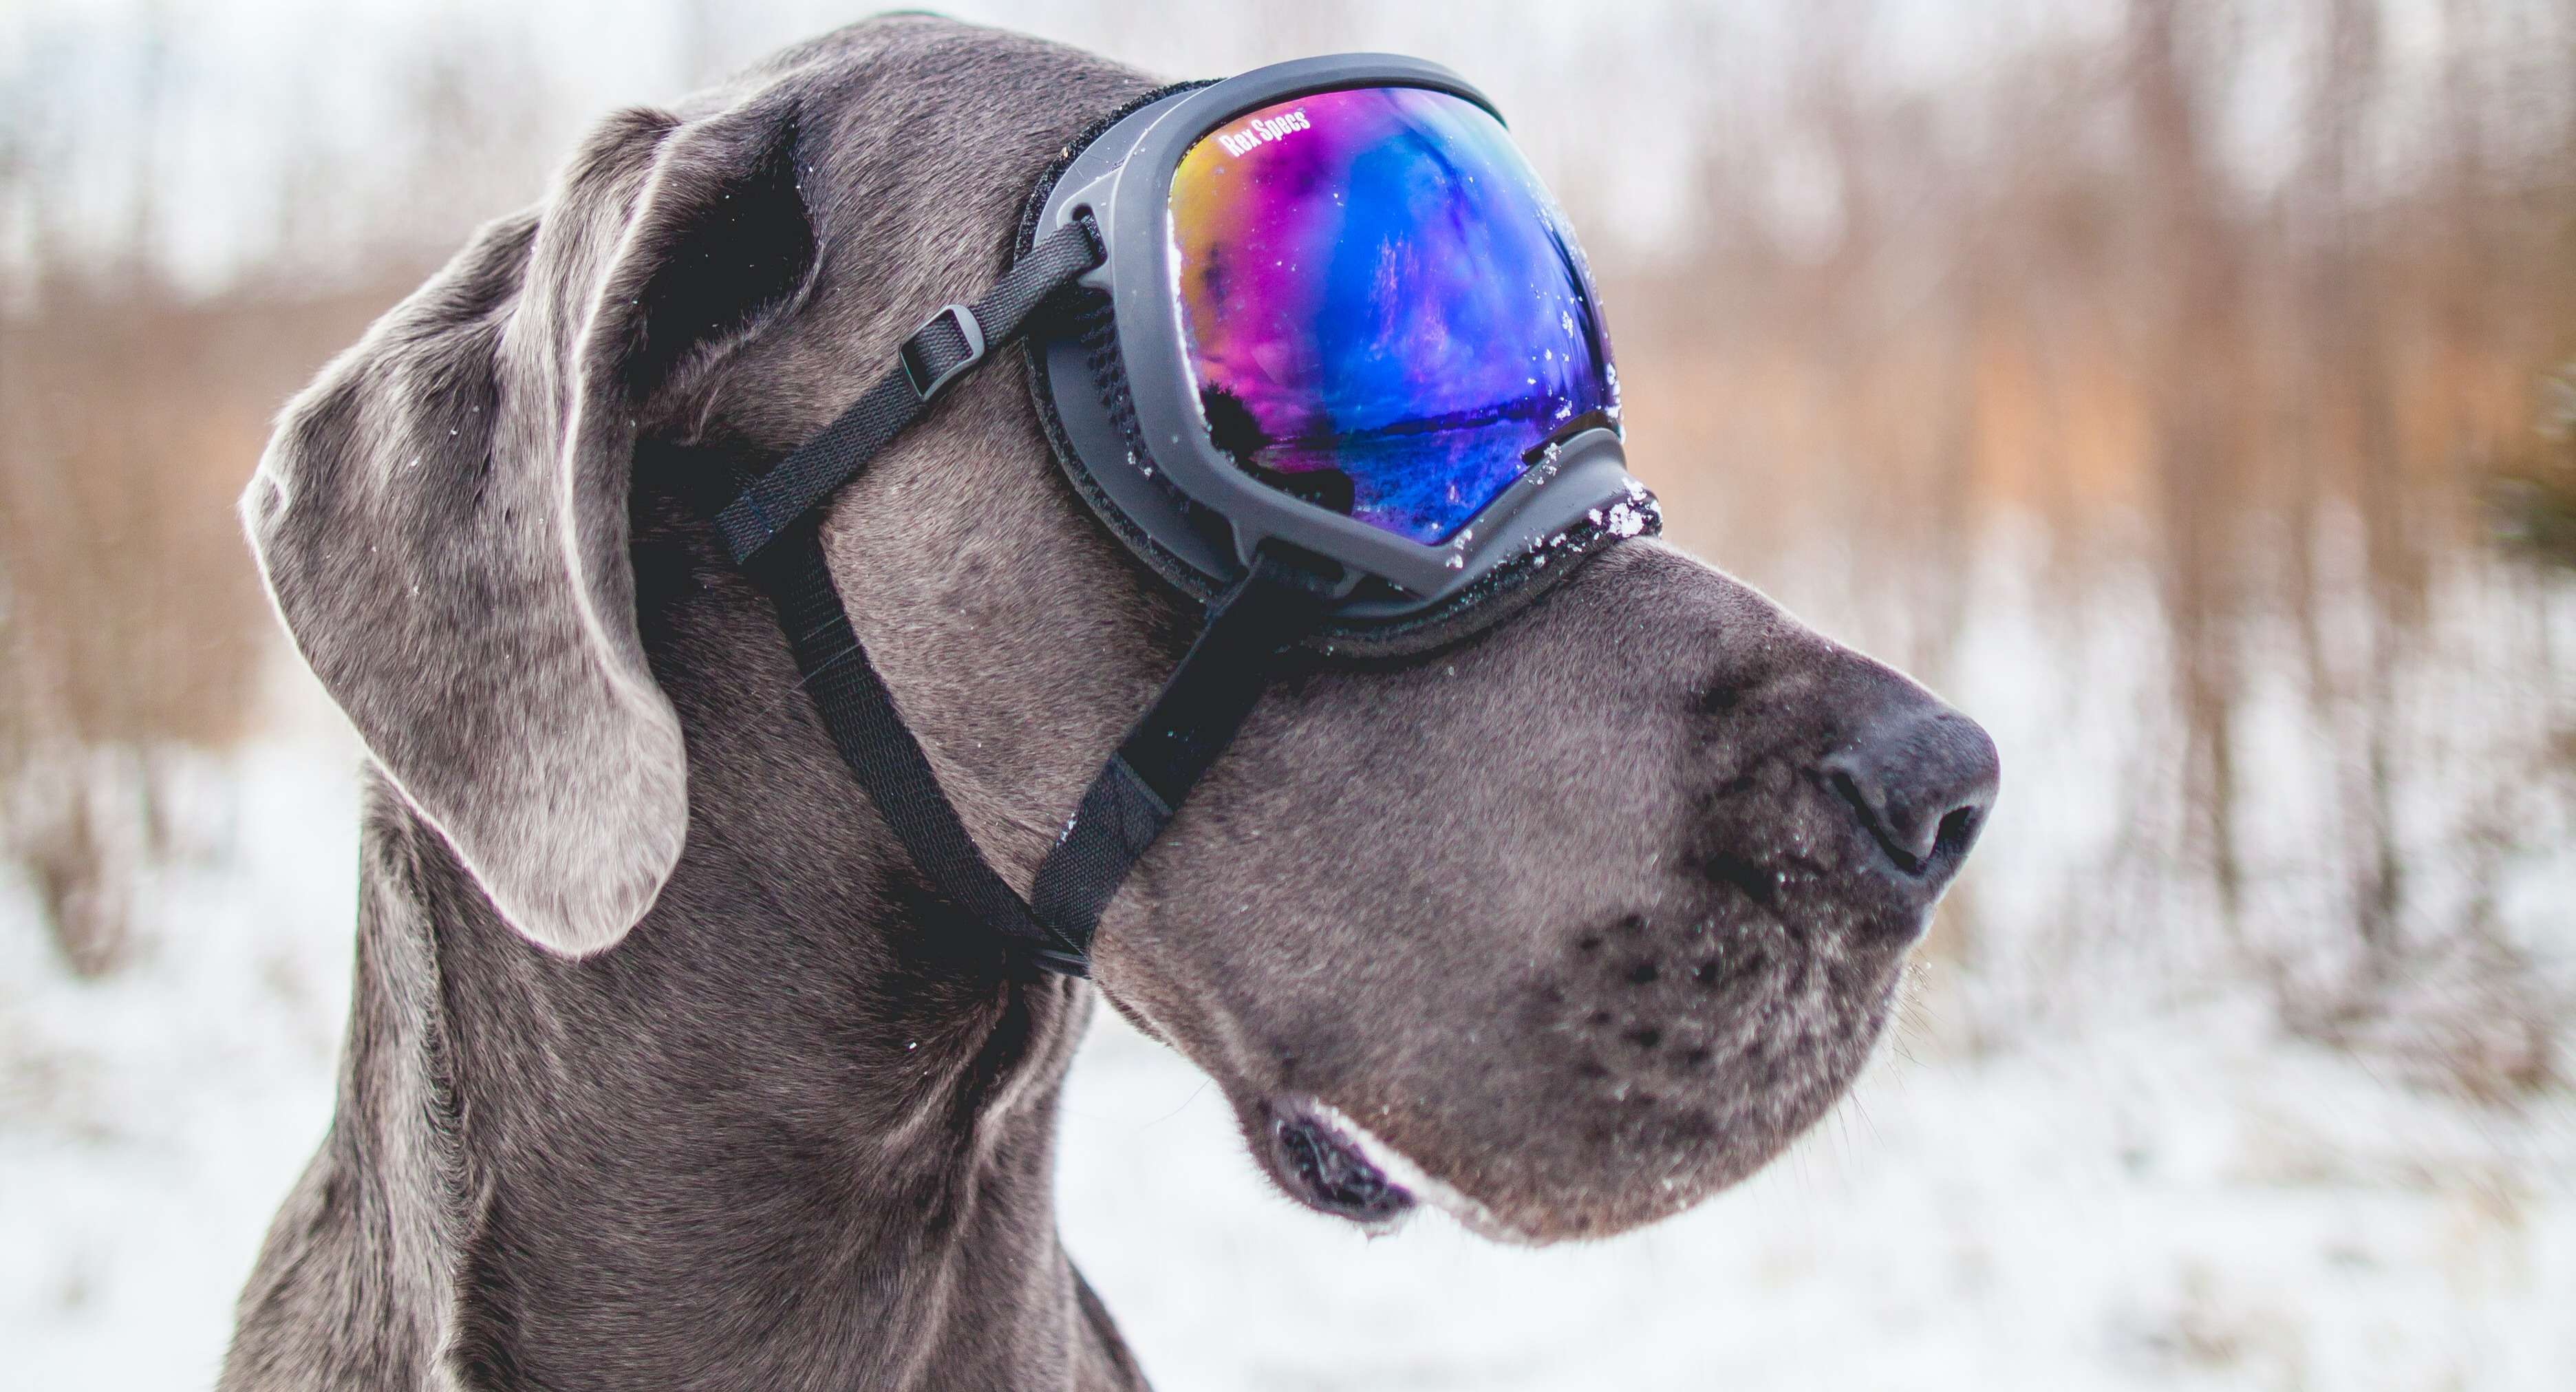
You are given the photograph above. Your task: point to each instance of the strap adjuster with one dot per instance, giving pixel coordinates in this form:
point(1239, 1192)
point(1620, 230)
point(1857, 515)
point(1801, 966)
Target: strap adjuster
point(927, 384)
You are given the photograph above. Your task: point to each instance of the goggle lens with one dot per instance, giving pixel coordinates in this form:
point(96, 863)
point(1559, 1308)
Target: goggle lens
point(1383, 311)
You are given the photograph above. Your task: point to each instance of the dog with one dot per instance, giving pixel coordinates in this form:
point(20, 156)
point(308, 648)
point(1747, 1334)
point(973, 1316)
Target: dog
point(665, 1068)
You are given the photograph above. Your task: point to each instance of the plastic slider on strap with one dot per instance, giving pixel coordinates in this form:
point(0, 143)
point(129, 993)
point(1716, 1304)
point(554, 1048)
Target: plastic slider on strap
point(928, 379)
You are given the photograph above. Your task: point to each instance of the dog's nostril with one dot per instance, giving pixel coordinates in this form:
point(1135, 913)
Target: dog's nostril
point(1920, 780)
point(1959, 831)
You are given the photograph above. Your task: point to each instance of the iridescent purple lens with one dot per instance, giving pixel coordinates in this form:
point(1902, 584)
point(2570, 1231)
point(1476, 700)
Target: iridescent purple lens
point(1383, 310)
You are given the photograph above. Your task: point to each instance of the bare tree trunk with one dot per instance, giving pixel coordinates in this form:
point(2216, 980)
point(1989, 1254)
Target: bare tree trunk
point(2352, 384)
point(2194, 369)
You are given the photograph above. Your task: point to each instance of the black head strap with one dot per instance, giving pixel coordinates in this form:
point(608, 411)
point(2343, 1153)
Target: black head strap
point(772, 532)
point(955, 341)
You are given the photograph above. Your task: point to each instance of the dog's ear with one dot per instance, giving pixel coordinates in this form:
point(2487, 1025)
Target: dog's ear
point(442, 517)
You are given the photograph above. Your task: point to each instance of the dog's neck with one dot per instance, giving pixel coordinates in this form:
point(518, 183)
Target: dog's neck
point(796, 1131)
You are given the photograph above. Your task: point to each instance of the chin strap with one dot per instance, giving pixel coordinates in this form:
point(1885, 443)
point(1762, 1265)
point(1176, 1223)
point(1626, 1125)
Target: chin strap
point(773, 533)
point(1193, 718)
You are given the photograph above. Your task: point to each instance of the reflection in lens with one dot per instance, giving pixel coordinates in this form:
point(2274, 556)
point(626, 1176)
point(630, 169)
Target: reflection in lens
point(1382, 310)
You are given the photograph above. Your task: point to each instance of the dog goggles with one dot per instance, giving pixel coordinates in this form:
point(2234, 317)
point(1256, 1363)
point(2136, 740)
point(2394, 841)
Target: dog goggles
point(1318, 346)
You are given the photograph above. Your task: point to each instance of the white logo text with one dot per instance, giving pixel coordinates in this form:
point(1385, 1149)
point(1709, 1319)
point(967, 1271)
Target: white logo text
point(1259, 129)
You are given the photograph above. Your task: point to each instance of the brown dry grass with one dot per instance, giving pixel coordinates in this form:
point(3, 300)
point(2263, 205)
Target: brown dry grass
point(130, 621)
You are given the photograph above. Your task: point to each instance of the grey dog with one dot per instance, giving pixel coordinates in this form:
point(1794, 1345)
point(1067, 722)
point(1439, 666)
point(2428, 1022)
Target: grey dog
point(666, 1070)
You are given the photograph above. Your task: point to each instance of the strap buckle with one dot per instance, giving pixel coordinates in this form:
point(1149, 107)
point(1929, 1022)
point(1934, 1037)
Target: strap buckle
point(927, 384)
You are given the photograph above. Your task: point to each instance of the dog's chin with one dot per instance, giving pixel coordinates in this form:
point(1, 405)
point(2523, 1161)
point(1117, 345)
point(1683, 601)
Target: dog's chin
point(1333, 1165)
point(1664, 1100)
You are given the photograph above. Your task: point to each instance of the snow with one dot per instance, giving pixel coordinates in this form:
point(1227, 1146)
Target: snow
point(2185, 1200)
point(2167, 1197)
point(150, 1122)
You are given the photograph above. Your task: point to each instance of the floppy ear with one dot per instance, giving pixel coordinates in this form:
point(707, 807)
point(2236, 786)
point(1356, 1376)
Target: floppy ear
point(442, 516)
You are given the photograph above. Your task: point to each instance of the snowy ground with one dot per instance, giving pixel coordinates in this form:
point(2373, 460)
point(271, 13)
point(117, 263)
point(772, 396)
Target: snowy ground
point(2180, 1199)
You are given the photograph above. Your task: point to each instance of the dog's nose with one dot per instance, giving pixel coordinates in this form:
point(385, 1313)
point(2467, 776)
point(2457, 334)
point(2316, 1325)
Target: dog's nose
point(1921, 778)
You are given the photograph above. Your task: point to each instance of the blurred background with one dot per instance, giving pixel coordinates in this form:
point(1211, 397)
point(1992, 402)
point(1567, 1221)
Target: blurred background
point(2185, 388)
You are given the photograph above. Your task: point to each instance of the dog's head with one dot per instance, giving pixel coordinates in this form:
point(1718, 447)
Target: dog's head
point(1564, 927)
